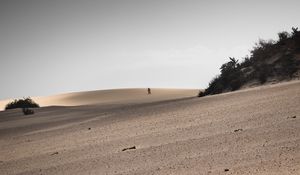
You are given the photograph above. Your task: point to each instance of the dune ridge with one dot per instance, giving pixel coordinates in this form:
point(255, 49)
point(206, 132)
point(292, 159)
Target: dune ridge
point(111, 96)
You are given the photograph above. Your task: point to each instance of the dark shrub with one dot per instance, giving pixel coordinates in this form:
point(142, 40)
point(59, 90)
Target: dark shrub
point(269, 59)
point(235, 84)
point(283, 36)
point(295, 31)
point(22, 103)
point(262, 50)
point(246, 62)
point(263, 71)
point(215, 86)
point(288, 66)
point(201, 94)
point(27, 111)
point(262, 77)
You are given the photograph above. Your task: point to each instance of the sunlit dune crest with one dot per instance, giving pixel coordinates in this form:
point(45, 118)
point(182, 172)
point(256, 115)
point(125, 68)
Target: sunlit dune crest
point(114, 96)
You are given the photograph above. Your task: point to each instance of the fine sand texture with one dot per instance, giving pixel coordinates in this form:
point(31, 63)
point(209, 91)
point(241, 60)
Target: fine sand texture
point(252, 131)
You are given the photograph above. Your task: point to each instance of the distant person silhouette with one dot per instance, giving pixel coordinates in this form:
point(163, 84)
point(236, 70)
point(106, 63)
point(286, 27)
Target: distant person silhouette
point(149, 91)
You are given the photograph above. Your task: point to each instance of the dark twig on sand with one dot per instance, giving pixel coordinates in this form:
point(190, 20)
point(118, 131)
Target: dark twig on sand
point(125, 149)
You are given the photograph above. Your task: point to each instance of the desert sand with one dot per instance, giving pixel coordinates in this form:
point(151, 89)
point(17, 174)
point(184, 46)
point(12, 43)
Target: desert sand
point(251, 131)
point(111, 96)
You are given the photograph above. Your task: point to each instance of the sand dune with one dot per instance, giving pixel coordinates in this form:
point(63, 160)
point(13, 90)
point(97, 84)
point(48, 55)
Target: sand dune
point(253, 131)
point(114, 96)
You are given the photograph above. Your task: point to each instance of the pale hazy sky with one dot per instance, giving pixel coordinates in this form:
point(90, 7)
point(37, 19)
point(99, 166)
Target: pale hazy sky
point(57, 46)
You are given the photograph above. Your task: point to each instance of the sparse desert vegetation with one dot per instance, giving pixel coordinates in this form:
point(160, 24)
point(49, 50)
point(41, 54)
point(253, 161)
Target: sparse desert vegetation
point(269, 60)
point(27, 111)
point(114, 87)
point(24, 103)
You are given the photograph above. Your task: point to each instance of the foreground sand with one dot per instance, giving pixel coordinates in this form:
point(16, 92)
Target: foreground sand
point(254, 131)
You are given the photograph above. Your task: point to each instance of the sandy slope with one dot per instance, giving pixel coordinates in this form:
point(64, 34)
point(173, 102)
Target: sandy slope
point(253, 131)
point(114, 96)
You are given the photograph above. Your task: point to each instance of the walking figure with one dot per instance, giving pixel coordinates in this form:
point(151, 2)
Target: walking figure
point(149, 91)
